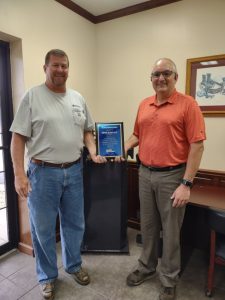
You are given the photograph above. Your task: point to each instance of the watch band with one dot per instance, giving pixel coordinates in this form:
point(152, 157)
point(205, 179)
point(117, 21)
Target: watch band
point(187, 182)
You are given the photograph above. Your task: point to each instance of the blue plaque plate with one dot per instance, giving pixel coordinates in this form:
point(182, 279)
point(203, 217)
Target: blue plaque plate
point(110, 139)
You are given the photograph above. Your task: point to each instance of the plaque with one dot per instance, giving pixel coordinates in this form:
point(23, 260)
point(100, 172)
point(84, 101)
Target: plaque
point(110, 139)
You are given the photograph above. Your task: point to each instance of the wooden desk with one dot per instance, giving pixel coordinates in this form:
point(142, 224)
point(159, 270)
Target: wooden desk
point(208, 192)
point(208, 196)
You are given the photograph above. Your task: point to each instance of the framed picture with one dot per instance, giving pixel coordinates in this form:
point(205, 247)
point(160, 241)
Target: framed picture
point(110, 139)
point(205, 81)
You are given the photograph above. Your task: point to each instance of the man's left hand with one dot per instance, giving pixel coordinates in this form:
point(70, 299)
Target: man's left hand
point(181, 196)
point(98, 159)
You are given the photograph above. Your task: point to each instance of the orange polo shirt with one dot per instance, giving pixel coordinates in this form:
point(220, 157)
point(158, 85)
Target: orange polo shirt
point(166, 131)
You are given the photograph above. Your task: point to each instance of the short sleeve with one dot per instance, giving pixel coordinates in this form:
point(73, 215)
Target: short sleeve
point(194, 123)
point(22, 120)
point(136, 124)
point(89, 123)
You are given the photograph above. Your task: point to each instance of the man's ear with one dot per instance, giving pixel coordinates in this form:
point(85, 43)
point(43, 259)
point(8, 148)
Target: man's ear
point(176, 76)
point(44, 68)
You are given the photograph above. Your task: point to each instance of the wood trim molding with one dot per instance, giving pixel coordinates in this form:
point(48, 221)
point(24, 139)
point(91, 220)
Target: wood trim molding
point(133, 10)
point(77, 9)
point(114, 14)
point(24, 248)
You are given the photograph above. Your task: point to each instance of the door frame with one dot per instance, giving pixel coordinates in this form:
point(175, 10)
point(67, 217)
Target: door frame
point(7, 117)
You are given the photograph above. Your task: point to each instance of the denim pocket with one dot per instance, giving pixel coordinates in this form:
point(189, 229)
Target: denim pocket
point(32, 168)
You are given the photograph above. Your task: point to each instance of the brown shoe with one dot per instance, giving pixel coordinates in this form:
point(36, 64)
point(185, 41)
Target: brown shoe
point(167, 293)
point(47, 290)
point(81, 277)
point(135, 278)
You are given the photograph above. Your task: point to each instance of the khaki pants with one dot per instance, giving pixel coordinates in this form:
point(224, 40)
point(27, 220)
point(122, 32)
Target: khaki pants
point(155, 190)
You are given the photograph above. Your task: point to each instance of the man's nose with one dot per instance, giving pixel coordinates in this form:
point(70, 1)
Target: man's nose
point(161, 77)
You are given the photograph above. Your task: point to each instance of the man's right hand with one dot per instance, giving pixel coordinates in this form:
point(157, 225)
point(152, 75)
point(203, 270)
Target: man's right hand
point(119, 159)
point(22, 186)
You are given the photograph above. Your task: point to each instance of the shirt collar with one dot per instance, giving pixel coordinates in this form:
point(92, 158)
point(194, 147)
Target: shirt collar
point(171, 99)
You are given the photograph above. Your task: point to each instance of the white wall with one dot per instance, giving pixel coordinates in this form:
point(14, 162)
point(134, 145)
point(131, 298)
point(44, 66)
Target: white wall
point(45, 24)
point(128, 47)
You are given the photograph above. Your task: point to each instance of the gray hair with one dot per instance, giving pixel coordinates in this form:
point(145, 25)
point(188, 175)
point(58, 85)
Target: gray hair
point(169, 60)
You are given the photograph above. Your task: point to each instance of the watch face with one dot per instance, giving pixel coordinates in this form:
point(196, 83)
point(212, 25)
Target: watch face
point(187, 182)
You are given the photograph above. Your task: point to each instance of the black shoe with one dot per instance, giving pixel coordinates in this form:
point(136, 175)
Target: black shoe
point(137, 277)
point(167, 293)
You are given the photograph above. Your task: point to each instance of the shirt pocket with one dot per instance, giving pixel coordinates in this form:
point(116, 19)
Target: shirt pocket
point(78, 116)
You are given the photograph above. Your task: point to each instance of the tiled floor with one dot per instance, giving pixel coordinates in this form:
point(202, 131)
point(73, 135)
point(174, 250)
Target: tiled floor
point(108, 275)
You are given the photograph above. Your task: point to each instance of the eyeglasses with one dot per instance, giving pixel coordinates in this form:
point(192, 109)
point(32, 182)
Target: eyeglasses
point(165, 74)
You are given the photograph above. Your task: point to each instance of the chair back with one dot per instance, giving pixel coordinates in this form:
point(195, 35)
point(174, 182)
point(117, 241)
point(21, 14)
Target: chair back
point(217, 221)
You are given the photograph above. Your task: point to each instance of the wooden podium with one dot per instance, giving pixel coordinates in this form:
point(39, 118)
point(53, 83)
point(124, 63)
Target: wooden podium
point(105, 207)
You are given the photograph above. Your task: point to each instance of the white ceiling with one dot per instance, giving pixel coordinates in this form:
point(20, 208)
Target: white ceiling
point(99, 7)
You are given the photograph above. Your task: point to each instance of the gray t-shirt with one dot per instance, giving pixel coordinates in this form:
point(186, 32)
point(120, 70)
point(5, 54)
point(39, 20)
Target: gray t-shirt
point(53, 123)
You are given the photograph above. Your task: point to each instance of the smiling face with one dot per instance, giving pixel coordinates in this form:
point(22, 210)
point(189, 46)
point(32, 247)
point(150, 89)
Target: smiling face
point(56, 71)
point(164, 78)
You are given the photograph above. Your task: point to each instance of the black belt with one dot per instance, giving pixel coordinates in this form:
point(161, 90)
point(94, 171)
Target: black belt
point(163, 169)
point(48, 164)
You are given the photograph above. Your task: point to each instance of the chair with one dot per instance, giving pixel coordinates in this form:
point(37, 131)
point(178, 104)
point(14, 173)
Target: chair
point(217, 246)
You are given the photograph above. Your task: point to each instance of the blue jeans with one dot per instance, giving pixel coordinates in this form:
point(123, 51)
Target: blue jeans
point(56, 191)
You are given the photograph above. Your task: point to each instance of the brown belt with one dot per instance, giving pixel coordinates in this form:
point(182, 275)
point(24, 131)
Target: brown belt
point(48, 164)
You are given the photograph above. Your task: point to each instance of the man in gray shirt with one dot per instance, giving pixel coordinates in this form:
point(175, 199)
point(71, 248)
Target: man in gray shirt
point(54, 123)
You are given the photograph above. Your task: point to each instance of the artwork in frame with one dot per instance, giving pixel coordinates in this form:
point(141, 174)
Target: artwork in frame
point(205, 81)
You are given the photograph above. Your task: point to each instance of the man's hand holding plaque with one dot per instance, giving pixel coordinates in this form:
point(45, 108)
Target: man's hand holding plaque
point(110, 140)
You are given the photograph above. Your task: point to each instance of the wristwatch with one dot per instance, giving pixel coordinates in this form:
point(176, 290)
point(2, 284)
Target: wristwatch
point(187, 183)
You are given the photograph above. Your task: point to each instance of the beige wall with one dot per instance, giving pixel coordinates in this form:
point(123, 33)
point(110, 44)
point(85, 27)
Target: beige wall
point(45, 24)
point(127, 48)
point(110, 62)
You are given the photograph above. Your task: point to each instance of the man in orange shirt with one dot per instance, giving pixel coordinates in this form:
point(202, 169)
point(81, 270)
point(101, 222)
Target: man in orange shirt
point(169, 130)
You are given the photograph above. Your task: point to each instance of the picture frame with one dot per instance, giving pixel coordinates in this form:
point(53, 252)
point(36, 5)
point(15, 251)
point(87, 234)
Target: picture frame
point(205, 81)
point(109, 139)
